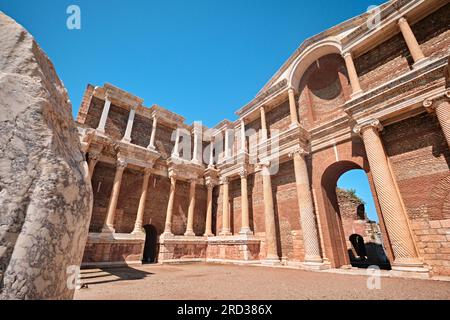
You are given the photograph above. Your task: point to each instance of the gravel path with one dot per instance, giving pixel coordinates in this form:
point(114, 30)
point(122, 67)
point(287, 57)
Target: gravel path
point(206, 281)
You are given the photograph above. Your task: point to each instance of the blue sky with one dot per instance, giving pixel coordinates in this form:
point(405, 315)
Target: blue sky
point(203, 59)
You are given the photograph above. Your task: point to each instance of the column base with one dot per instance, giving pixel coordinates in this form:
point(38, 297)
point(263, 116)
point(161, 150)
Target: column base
point(151, 148)
point(166, 235)
point(246, 232)
point(209, 235)
point(138, 231)
point(420, 63)
point(126, 140)
point(410, 266)
point(356, 94)
point(225, 233)
point(108, 229)
point(189, 234)
point(294, 125)
point(315, 265)
point(271, 261)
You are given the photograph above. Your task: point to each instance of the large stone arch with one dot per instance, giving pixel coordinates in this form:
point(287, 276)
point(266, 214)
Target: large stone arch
point(328, 165)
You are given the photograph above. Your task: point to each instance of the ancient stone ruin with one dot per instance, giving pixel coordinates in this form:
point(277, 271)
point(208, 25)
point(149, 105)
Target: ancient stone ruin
point(45, 193)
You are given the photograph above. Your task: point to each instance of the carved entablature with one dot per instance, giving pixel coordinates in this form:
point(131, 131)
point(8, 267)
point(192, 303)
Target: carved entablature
point(185, 170)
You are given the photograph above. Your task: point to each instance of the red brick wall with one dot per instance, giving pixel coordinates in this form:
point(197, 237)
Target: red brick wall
point(323, 89)
point(420, 158)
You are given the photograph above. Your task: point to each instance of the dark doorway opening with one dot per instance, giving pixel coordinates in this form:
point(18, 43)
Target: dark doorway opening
point(151, 244)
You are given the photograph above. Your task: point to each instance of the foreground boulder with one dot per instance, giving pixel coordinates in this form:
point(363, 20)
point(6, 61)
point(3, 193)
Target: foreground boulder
point(45, 194)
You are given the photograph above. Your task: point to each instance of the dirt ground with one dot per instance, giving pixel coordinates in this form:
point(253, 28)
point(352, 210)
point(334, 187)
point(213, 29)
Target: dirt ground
point(230, 282)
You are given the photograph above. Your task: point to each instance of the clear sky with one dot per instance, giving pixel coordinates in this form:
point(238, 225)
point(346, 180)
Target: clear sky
point(203, 59)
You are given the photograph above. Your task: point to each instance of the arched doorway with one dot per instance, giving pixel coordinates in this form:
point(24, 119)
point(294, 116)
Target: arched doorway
point(357, 238)
point(151, 244)
point(360, 221)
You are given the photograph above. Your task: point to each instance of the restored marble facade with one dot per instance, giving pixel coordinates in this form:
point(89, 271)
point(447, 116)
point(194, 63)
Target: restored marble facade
point(262, 189)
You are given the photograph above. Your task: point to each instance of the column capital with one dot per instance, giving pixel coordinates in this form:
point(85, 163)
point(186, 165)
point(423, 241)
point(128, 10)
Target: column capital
point(292, 89)
point(94, 155)
point(347, 54)
point(243, 172)
point(210, 185)
point(224, 180)
point(402, 20)
point(374, 124)
point(300, 151)
point(121, 163)
point(429, 104)
point(147, 171)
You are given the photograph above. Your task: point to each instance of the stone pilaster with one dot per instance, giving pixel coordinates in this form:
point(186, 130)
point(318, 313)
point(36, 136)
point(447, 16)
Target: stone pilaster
point(353, 76)
point(406, 257)
point(211, 153)
point(176, 148)
point(196, 158)
point(109, 223)
point(190, 219)
point(208, 224)
point(169, 213)
point(411, 41)
point(243, 137)
point(225, 205)
point(141, 209)
point(269, 216)
point(311, 239)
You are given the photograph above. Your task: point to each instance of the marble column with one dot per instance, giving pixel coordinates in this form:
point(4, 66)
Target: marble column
point(311, 240)
point(176, 148)
point(353, 76)
point(243, 137)
point(151, 145)
point(411, 41)
point(269, 215)
point(211, 153)
point(141, 209)
point(169, 213)
point(109, 222)
point(129, 129)
point(104, 116)
point(245, 224)
point(293, 107)
point(226, 231)
point(442, 110)
point(390, 202)
point(227, 144)
point(264, 134)
point(208, 224)
point(190, 219)
point(196, 158)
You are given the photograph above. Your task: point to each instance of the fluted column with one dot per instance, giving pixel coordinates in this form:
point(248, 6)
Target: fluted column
point(442, 110)
point(104, 116)
point(245, 225)
point(190, 220)
point(263, 124)
point(311, 240)
point(353, 76)
point(141, 209)
point(293, 107)
point(129, 129)
point(411, 41)
point(226, 231)
point(391, 206)
point(109, 223)
point(151, 145)
point(93, 160)
point(169, 213)
point(208, 224)
point(269, 215)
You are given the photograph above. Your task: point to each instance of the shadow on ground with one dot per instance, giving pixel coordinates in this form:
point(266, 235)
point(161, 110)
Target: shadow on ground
point(107, 275)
